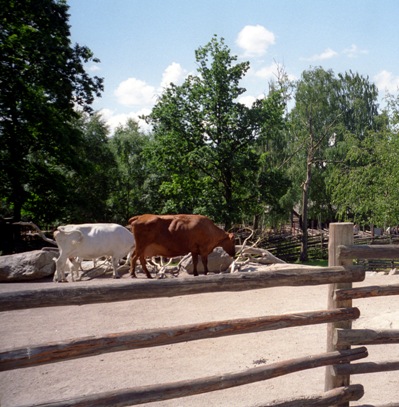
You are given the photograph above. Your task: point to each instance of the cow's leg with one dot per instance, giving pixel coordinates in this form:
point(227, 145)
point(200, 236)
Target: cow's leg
point(76, 264)
point(60, 269)
point(133, 260)
point(115, 263)
point(205, 263)
point(144, 266)
point(195, 262)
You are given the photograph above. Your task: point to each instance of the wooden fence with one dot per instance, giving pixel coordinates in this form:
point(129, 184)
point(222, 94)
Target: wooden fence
point(338, 317)
point(288, 247)
point(342, 251)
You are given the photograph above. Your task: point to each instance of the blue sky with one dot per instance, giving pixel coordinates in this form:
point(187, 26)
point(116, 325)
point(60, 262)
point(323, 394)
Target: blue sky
point(145, 44)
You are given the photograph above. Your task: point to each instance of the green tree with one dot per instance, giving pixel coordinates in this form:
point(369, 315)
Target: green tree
point(205, 140)
point(42, 81)
point(130, 193)
point(312, 124)
point(366, 181)
point(90, 188)
point(74, 195)
point(331, 116)
point(356, 148)
point(358, 103)
point(270, 179)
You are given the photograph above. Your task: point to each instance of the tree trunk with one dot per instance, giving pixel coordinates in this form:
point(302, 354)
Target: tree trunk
point(17, 200)
point(305, 199)
point(228, 191)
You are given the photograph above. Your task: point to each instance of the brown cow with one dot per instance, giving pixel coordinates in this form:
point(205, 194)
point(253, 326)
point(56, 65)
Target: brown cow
point(177, 235)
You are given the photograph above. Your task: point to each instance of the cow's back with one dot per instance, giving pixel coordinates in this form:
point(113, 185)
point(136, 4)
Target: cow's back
point(96, 239)
point(154, 238)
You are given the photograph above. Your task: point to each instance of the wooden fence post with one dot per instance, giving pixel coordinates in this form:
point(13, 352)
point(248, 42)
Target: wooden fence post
point(339, 234)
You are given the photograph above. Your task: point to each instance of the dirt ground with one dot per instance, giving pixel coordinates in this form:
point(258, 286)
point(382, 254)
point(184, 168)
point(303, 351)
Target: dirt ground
point(194, 359)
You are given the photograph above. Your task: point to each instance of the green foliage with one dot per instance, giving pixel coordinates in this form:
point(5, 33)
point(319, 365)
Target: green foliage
point(42, 79)
point(130, 193)
point(62, 195)
point(207, 143)
point(332, 115)
point(333, 155)
point(366, 185)
point(329, 114)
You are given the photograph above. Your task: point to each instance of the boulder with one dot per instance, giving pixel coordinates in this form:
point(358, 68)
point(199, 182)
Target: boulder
point(27, 266)
point(218, 261)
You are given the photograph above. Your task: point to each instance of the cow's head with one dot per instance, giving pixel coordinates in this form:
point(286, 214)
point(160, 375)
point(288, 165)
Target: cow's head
point(229, 245)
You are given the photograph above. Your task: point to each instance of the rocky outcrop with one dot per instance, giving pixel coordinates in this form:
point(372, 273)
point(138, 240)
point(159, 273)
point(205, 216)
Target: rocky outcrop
point(26, 266)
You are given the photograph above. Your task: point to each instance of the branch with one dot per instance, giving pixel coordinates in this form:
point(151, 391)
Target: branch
point(41, 234)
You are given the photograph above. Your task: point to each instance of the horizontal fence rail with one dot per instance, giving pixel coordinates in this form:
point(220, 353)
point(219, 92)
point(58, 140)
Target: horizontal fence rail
point(365, 336)
point(64, 295)
point(83, 347)
point(332, 397)
point(365, 292)
point(367, 367)
point(368, 252)
point(160, 392)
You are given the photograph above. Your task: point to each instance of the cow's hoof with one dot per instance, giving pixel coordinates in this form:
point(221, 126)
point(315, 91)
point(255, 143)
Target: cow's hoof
point(116, 277)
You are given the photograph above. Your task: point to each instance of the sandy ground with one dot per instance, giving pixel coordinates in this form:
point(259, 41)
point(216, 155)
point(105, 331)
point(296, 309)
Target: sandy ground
point(194, 359)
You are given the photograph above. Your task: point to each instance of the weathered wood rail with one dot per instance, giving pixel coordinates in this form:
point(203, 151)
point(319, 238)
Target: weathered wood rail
point(350, 337)
point(369, 367)
point(147, 394)
point(333, 397)
point(364, 292)
point(65, 295)
point(82, 347)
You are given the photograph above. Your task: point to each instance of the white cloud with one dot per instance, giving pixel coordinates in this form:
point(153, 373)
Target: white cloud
point(113, 120)
point(249, 100)
point(353, 51)
point(93, 68)
point(135, 92)
point(174, 73)
point(386, 81)
point(328, 53)
point(268, 72)
point(255, 40)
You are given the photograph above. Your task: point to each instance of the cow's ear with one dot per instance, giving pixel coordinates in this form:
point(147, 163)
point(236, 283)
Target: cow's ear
point(231, 236)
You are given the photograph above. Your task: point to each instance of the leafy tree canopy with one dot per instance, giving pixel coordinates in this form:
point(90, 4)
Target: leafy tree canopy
point(42, 81)
point(206, 141)
point(132, 190)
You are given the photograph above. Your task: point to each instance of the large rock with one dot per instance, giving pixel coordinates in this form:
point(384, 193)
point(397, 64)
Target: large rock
point(218, 261)
point(27, 266)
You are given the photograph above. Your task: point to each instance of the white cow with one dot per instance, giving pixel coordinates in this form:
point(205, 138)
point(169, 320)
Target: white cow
point(90, 241)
